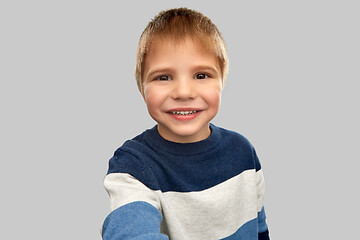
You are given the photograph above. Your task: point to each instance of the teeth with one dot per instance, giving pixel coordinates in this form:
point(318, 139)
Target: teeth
point(183, 112)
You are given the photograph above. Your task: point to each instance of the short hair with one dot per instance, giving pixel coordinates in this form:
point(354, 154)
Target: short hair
point(176, 24)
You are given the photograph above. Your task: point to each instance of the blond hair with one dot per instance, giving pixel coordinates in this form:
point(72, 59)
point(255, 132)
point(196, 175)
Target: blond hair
point(176, 24)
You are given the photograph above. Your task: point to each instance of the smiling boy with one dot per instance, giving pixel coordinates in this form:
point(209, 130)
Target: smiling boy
point(182, 87)
point(185, 178)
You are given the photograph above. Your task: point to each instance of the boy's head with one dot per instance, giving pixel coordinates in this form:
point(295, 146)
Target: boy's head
point(181, 69)
point(175, 25)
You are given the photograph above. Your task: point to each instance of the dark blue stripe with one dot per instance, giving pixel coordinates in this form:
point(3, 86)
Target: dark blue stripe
point(264, 235)
point(167, 166)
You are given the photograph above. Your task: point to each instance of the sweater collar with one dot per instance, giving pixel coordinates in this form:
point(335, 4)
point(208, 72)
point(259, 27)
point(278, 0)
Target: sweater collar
point(156, 141)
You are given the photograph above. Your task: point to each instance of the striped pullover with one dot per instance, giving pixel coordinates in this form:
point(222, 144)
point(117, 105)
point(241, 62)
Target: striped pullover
point(212, 189)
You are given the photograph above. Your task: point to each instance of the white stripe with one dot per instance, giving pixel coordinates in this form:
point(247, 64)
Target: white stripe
point(260, 188)
point(216, 212)
point(124, 188)
point(213, 213)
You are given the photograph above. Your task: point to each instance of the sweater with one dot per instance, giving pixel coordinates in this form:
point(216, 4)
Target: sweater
point(211, 189)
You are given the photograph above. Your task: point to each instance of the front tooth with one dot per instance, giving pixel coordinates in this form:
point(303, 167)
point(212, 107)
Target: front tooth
point(183, 112)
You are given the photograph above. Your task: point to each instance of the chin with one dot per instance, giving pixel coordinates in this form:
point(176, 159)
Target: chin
point(189, 131)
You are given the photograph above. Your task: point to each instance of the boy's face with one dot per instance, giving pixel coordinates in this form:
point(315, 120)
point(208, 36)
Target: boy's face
point(182, 89)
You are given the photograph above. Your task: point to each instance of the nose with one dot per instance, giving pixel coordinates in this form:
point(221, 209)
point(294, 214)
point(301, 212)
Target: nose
point(184, 89)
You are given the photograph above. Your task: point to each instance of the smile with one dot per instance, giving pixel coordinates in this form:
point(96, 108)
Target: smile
point(183, 112)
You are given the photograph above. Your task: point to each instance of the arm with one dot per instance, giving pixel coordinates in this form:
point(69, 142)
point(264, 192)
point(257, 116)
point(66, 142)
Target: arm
point(263, 232)
point(136, 212)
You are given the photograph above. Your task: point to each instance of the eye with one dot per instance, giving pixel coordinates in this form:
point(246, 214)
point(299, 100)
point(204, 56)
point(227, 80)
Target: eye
point(201, 76)
point(163, 78)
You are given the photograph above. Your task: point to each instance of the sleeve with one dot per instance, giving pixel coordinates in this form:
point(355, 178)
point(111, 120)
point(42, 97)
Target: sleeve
point(136, 221)
point(135, 209)
point(263, 232)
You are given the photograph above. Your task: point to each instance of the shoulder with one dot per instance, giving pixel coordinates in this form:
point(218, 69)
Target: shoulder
point(237, 145)
point(131, 153)
point(131, 158)
point(124, 159)
point(233, 138)
point(133, 149)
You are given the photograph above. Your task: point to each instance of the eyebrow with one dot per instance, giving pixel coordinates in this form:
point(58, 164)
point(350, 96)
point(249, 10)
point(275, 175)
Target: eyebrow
point(206, 67)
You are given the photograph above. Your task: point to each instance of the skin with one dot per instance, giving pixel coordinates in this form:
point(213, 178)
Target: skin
point(182, 77)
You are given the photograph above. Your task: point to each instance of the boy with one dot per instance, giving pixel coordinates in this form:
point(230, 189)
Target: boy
point(185, 178)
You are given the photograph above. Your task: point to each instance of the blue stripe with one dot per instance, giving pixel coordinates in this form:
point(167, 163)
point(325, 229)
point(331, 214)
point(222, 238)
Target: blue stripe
point(262, 221)
point(137, 220)
point(248, 231)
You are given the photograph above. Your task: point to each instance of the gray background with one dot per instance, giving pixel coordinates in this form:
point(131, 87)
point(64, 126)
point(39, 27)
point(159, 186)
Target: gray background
point(69, 99)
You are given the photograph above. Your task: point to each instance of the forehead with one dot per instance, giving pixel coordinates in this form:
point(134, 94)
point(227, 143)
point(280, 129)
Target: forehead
point(188, 49)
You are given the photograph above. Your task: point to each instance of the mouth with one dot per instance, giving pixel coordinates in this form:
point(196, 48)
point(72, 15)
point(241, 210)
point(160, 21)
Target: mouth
point(184, 112)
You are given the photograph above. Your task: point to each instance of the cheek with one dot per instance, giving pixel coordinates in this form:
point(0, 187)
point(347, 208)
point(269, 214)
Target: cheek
point(153, 99)
point(213, 98)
